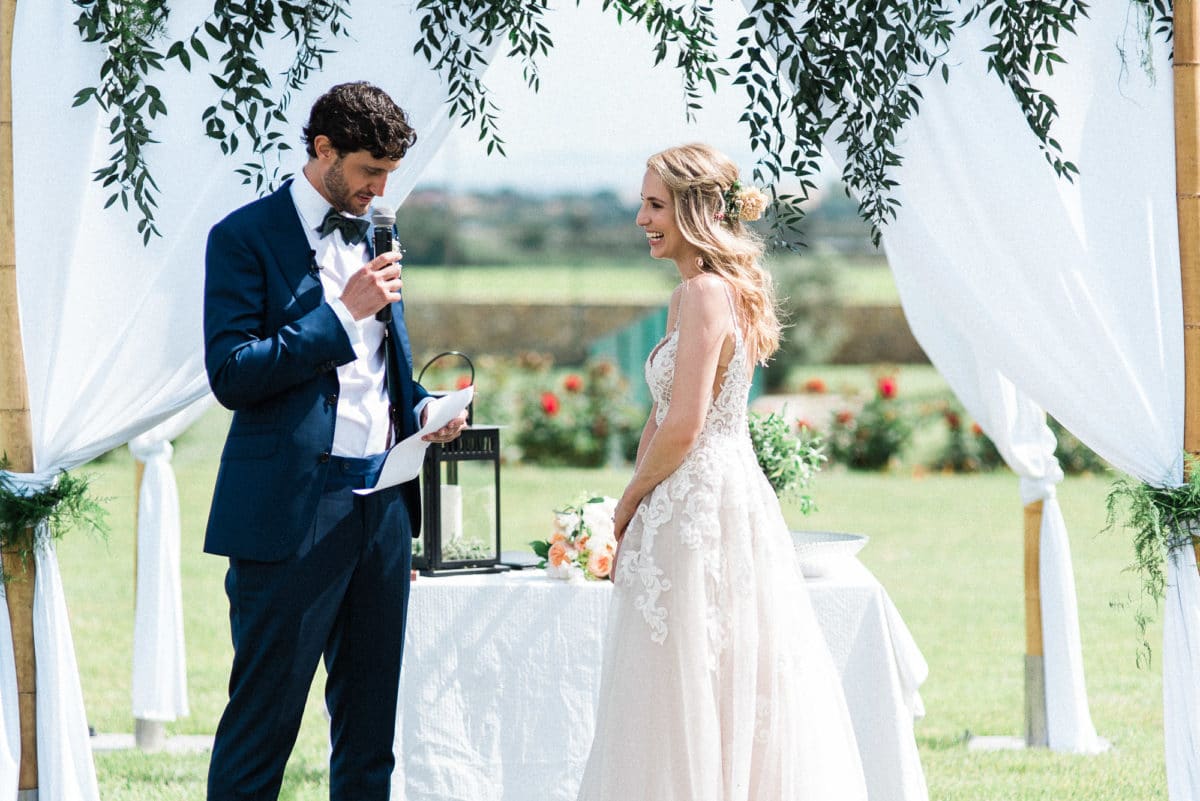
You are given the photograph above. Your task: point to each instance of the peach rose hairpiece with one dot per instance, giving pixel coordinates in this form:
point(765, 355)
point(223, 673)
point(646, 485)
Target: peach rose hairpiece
point(745, 203)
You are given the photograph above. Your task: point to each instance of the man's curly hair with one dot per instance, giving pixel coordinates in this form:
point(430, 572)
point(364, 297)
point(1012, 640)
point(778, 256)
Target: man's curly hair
point(360, 116)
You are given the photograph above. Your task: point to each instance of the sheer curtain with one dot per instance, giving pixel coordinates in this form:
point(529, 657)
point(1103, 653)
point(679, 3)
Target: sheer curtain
point(112, 329)
point(1065, 296)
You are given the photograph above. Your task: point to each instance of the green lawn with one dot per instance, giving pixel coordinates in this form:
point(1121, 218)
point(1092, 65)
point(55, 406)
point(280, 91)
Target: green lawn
point(947, 548)
point(857, 281)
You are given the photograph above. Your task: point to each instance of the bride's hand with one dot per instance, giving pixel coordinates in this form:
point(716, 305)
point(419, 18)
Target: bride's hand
point(621, 518)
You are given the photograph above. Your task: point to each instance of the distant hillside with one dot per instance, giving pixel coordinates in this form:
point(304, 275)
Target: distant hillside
point(507, 227)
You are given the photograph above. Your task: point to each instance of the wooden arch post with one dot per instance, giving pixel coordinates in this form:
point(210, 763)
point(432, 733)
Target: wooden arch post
point(16, 429)
point(1036, 732)
point(1187, 204)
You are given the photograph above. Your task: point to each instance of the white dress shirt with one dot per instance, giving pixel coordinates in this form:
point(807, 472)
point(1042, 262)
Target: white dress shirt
point(362, 406)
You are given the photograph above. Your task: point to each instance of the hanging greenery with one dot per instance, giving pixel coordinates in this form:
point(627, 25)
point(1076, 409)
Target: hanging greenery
point(1162, 520)
point(65, 504)
point(810, 69)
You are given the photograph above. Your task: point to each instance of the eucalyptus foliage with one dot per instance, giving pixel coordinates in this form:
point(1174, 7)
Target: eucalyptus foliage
point(849, 70)
point(1162, 520)
point(63, 505)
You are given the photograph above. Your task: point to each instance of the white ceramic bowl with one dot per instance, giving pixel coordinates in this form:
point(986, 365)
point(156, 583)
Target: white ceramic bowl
point(816, 550)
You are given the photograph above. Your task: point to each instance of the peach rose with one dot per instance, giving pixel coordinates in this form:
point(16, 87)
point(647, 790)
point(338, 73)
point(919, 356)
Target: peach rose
point(558, 536)
point(558, 554)
point(582, 542)
point(751, 203)
point(599, 563)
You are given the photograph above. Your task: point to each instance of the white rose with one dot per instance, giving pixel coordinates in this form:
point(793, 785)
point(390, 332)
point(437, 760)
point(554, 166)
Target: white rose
point(598, 517)
point(562, 571)
point(567, 523)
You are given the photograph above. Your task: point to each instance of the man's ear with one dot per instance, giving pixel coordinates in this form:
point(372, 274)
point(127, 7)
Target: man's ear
point(324, 149)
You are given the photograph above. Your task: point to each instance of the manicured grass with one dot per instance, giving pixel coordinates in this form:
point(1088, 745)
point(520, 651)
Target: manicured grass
point(858, 281)
point(948, 549)
point(646, 281)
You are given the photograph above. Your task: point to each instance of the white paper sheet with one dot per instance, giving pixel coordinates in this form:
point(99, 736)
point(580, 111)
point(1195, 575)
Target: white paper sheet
point(404, 460)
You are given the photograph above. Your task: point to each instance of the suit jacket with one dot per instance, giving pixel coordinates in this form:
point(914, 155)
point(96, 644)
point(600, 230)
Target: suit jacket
point(272, 346)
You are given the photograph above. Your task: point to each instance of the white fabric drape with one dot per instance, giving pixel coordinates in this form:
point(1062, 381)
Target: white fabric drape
point(1181, 666)
point(159, 664)
point(65, 769)
point(10, 722)
point(1012, 277)
point(112, 329)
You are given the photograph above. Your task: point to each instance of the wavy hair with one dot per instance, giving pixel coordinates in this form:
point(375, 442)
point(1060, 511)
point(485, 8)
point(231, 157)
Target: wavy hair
point(698, 177)
point(358, 116)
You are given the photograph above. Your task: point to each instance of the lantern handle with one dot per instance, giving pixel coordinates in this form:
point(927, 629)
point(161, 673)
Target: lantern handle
point(457, 353)
point(470, 364)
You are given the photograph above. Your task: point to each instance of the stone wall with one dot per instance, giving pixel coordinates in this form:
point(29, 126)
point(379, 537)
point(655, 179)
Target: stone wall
point(868, 334)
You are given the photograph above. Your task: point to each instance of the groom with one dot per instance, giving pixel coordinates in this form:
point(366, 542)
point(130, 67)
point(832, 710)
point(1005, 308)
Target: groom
point(320, 387)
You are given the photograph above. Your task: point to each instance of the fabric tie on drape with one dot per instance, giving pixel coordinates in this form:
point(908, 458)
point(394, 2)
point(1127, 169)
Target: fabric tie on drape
point(159, 663)
point(63, 730)
point(111, 328)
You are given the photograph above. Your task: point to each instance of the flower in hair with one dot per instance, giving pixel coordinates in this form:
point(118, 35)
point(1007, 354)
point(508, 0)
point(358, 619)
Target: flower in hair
point(745, 203)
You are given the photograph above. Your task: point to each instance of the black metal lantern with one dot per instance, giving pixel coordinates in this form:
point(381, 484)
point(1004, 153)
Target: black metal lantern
point(460, 519)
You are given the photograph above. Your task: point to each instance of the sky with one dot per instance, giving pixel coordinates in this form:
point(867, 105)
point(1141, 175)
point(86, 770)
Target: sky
point(602, 109)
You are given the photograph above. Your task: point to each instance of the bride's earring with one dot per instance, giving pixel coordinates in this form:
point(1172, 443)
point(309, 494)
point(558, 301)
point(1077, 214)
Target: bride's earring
point(700, 263)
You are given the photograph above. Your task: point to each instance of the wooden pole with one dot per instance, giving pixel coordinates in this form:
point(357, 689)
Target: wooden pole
point(1187, 203)
point(1036, 733)
point(16, 428)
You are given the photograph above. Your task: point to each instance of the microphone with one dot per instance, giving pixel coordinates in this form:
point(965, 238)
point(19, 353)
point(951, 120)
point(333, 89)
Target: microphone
point(384, 219)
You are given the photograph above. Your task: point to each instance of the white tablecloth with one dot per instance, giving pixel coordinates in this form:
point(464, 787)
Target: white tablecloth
point(502, 674)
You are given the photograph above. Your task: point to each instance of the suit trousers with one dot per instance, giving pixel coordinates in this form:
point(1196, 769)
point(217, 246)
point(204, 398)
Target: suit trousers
point(343, 595)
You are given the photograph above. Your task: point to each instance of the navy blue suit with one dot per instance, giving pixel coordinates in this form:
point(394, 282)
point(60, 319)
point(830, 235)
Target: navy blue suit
point(314, 570)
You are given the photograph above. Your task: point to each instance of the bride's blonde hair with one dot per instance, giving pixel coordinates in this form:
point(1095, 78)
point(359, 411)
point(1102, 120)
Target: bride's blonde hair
point(699, 177)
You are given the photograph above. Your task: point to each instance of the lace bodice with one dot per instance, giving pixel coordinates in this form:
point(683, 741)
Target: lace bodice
point(727, 411)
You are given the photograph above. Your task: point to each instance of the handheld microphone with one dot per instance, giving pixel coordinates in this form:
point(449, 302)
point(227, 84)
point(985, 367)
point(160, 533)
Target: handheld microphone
point(384, 219)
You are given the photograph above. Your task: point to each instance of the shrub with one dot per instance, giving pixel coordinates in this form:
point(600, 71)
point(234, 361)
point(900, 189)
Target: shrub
point(1074, 457)
point(870, 439)
point(582, 420)
point(967, 448)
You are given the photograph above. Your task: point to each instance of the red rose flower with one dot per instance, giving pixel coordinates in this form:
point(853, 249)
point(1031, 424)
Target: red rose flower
point(887, 387)
point(463, 381)
point(814, 385)
point(845, 417)
point(572, 383)
point(953, 421)
point(550, 403)
point(976, 429)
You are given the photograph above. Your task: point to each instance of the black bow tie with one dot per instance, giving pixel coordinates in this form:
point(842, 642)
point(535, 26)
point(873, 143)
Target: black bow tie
point(353, 229)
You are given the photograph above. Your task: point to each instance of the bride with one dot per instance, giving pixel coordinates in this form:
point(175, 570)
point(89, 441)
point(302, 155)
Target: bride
point(717, 683)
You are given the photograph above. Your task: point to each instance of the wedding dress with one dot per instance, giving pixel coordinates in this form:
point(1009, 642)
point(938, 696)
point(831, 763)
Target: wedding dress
point(717, 683)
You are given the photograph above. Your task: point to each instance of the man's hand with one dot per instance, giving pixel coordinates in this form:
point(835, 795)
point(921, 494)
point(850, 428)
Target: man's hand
point(374, 286)
point(448, 433)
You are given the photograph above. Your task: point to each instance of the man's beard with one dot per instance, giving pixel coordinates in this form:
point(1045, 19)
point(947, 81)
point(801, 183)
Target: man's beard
point(338, 189)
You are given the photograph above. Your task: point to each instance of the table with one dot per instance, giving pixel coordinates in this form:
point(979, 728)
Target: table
point(502, 675)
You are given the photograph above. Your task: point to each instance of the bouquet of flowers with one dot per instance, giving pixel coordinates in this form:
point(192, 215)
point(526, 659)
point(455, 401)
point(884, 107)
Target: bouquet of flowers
point(582, 545)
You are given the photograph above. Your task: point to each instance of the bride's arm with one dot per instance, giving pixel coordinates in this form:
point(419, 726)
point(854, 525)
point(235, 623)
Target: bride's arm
point(704, 323)
point(647, 434)
point(652, 421)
